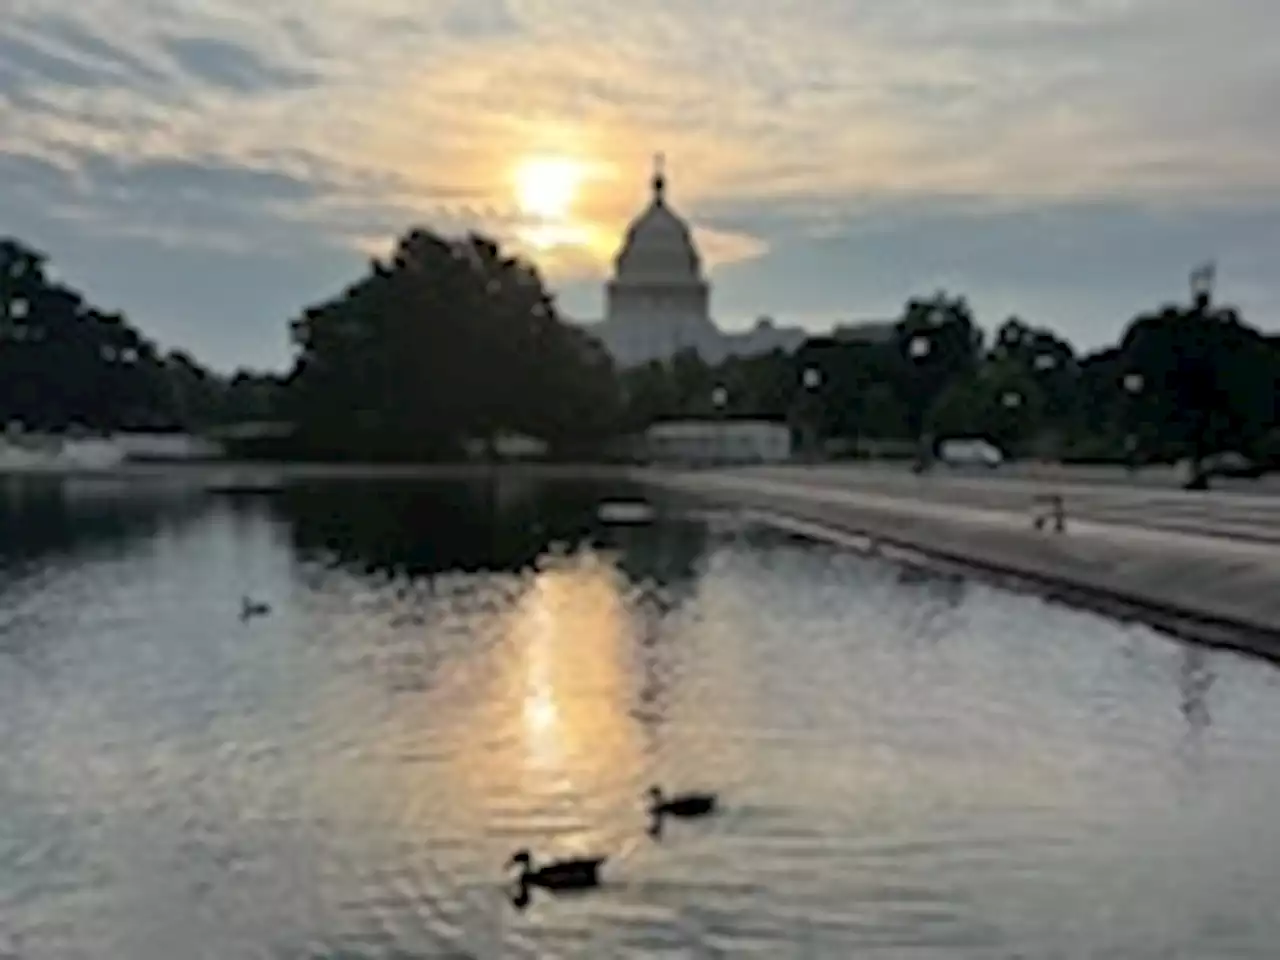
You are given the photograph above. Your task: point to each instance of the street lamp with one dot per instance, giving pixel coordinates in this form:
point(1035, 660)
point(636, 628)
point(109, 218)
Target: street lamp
point(719, 399)
point(1011, 400)
point(918, 348)
point(1202, 282)
point(1134, 384)
point(810, 381)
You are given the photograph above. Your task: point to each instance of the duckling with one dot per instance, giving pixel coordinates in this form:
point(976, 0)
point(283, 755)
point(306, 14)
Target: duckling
point(576, 874)
point(250, 608)
point(685, 806)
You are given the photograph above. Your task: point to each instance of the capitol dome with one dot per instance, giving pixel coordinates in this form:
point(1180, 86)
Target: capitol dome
point(659, 245)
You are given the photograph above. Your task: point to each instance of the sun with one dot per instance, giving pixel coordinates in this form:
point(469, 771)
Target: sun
point(546, 187)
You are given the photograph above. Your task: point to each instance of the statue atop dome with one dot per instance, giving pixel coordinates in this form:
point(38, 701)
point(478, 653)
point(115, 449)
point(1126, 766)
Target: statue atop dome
point(659, 178)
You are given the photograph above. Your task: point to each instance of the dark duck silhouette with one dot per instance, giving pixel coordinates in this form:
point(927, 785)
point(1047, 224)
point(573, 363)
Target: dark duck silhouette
point(250, 608)
point(559, 875)
point(683, 806)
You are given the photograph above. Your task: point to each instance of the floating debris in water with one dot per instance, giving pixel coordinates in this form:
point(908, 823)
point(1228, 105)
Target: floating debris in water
point(626, 511)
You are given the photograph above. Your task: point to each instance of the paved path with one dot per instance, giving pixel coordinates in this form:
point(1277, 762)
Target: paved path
point(1249, 512)
point(1202, 565)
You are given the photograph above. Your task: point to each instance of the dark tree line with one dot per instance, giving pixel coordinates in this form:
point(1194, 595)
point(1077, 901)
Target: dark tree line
point(65, 364)
point(451, 340)
point(1184, 382)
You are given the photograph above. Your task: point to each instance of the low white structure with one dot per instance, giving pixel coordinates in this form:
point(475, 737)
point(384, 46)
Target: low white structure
point(22, 452)
point(167, 446)
point(717, 441)
point(508, 446)
point(33, 454)
point(969, 452)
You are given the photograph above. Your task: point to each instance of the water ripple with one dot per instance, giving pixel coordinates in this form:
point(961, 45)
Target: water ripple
point(910, 766)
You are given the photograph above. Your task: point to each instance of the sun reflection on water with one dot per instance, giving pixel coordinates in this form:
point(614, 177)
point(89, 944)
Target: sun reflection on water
point(569, 638)
point(529, 737)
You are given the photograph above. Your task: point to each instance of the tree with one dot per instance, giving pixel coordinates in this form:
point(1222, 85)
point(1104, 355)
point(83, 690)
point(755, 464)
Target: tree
point(1001, 402)
point(759, 386)
point(67, 364)
point(648, 396)
point(1207, 380)
point(937, 344)
point(451, 340)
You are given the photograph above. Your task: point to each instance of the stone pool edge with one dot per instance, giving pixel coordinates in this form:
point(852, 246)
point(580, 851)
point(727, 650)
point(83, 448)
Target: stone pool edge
point(1173, 594)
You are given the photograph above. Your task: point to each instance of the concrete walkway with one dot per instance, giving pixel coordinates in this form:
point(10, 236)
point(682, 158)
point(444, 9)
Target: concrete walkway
point(1206, 581)
point(1236, 510)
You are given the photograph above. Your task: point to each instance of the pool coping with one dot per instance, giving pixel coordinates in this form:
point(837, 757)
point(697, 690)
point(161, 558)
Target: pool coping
point(921, 547)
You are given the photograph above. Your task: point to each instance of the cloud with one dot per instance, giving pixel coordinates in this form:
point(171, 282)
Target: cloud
point(26, 175)
point(193, 178)
point(198, 201)
point(479, 19)
point(844, 155)
point(78, 40)
point(224, 63)
point(26, 62)
point(197, 284)
point(1086, 268)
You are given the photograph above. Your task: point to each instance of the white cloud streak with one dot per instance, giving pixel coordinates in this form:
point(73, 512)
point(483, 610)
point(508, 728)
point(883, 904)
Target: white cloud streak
point(783, 119)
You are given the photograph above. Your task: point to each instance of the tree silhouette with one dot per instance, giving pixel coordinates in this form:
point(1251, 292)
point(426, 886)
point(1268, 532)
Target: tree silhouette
point(450, 340)
point(65, 364)
point(1208, 380)
point(937, 343)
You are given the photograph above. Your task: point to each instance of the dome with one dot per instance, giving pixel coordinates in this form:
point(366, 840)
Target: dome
point(659, 245)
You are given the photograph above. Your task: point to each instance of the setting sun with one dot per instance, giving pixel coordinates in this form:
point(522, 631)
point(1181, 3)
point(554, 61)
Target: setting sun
point(546, 187)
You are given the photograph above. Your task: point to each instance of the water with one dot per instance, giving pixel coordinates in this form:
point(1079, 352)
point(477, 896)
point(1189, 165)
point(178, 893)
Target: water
point(909, 768)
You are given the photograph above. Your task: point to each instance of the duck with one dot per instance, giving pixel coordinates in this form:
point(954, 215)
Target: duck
point(685, 806)
point(250, 608)
point(575, 874)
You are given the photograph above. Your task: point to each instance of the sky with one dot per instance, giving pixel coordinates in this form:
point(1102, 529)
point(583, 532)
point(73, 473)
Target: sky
point(212, 167)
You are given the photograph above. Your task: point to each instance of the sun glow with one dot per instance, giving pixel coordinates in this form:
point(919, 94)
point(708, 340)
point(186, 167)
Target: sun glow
point(548, 190)
point(546, 187)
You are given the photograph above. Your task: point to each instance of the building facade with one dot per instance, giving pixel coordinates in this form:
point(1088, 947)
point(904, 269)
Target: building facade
point(695, 442)
point(658, 302)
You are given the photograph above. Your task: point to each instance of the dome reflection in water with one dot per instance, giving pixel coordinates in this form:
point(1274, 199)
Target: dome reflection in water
point(450, 673)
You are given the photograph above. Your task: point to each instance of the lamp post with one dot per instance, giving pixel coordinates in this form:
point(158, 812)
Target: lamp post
point(1134, 384)
point(811, 381)
point(1203, 278)
point(719, 400)
point(1010, 429)
point(918, 349)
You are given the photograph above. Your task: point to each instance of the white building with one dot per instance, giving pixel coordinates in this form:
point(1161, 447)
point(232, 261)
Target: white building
point(718, 441)
point(659, 302)
point(32, 453)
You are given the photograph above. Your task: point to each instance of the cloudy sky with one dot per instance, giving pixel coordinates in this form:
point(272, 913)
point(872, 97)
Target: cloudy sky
point(212, 166)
